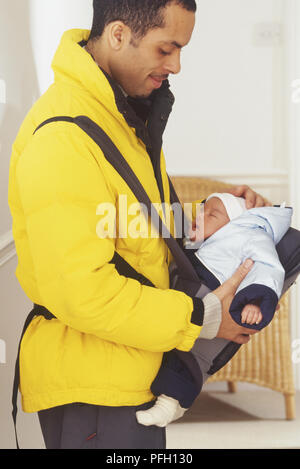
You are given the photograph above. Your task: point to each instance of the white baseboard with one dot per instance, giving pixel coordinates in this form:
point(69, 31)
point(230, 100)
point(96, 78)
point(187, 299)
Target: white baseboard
point(7, 248)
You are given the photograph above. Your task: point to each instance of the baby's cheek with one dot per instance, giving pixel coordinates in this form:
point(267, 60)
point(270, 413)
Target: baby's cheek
point(209, 228)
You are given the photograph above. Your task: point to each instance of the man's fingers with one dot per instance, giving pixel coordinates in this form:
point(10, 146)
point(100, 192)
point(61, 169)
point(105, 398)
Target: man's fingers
point(241, 273)
point(242, 339)
point(248, 194)
point(228, 288)
point(261, 202)
point(238, 191)
point(246, 331)
point(252, 198)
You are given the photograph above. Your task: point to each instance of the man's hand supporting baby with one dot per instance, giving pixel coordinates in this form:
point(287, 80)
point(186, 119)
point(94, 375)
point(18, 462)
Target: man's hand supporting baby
point(229, 329)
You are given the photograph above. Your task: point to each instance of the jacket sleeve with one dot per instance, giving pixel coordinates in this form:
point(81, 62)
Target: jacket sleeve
point(263, 284)
point(61, 185)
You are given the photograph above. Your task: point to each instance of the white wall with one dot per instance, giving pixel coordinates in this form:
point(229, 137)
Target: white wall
point(224, 119)
point(17, 72)
point(48, 20)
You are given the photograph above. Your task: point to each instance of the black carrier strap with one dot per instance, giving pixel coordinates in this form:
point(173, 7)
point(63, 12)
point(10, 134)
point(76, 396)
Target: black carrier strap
point(181, 222)
point(54, 119)
point(126, 270)
point(36, 311)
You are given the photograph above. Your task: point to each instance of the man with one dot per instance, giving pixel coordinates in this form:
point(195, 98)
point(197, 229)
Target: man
point(90, 369)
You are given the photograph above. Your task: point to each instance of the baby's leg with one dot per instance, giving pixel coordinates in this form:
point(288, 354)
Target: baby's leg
point(165, 410)
point(206, 353)
point(176, 389)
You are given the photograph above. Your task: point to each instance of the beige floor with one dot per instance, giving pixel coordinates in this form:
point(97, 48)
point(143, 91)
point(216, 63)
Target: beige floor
point(253, 418)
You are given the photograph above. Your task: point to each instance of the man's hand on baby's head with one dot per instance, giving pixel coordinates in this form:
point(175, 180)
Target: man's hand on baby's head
point(251, 314)
point(252, 198)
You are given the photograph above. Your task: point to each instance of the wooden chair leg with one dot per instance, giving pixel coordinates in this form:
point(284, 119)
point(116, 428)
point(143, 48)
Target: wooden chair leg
point(289, 406)
point(232, 386)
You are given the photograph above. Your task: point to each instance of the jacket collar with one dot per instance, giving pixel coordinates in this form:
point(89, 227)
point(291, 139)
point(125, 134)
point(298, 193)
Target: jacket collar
point(136, 111)
point(139, 112)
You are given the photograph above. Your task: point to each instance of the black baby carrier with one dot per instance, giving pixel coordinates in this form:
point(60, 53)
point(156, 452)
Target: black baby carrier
point(183, 277)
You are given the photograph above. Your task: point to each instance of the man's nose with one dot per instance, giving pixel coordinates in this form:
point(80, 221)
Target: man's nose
point(173, 65)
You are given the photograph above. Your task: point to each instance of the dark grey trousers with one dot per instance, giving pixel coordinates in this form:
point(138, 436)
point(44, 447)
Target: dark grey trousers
point(85, 426)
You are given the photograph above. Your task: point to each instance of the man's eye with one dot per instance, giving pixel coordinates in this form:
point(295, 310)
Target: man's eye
point(163, 52)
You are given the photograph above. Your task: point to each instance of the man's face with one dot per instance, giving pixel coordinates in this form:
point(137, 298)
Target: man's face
point(142, 66)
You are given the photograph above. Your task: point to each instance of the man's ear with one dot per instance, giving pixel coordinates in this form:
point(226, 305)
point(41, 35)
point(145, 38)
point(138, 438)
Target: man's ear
point(118, 35)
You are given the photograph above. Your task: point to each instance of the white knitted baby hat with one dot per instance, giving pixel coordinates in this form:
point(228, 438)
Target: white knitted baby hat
point(235, 206)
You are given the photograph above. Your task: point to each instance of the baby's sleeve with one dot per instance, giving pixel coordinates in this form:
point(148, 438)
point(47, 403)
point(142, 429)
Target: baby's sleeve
point(264, 283)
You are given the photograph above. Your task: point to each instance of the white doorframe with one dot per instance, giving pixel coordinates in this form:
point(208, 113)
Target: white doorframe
point(292, 67)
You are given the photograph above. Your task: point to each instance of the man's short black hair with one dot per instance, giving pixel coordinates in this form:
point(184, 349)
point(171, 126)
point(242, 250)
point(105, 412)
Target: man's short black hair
point(139, 15)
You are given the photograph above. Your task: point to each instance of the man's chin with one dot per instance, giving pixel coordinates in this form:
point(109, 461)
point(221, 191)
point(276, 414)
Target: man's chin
point(141, 95)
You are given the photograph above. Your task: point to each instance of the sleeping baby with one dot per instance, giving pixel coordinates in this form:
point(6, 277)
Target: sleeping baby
point(228, 234)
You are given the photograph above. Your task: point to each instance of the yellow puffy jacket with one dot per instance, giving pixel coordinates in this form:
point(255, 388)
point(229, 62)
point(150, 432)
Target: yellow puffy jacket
point(107, 343)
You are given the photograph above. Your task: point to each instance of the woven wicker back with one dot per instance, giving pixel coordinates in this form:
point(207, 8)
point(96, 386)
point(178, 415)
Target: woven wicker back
point(194, 188)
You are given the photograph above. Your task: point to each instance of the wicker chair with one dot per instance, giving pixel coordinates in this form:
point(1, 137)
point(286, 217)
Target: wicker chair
point(266, 359)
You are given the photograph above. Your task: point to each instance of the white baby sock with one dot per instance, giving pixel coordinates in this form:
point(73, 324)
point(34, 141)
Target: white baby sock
point(165, 410)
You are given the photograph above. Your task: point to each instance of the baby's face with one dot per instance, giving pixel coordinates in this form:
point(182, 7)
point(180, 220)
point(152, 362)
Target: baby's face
point(211, 220)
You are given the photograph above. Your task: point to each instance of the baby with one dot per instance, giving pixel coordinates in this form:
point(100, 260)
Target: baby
point(219, 209)
point(227, 234)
